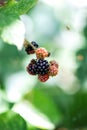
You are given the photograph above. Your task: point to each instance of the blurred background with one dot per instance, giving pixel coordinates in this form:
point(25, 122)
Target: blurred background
point(61, 103)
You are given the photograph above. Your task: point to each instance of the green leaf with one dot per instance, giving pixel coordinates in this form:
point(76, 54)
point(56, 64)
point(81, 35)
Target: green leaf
point(72, 107)
point(44, 104)
point(12, 59)
point(13, 10)
point(12, 121)
point(81, 71)
point(23, 6)
point(31, 127)
point(59, 98)
point(76, 116)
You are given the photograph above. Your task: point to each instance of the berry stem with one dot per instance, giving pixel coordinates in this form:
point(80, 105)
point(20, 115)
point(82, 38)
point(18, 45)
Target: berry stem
point(28, 43)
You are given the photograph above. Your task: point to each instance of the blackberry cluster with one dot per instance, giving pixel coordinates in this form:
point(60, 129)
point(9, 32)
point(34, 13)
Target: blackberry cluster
point(29, 49)
point(38, 67)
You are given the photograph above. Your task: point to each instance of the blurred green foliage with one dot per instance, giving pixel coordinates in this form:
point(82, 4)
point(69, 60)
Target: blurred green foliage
point(62, 109)
point(12, 121)
point(81, 54)
point(11, 60)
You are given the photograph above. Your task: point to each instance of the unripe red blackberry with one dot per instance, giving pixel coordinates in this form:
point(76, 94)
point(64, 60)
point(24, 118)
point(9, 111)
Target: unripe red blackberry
point(31, 68)
point(54, 63)
point(53, 70)
point(41, 53)
point(43, 78)
point(42, 66)
point(29, 49)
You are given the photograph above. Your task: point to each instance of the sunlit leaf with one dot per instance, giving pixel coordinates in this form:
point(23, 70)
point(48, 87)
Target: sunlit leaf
point(14, 34)
point(11, 11)
point(45, 104)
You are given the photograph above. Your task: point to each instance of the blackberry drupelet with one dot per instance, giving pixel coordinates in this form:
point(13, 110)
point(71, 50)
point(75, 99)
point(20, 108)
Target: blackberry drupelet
point(42, 67)
point(29, 49)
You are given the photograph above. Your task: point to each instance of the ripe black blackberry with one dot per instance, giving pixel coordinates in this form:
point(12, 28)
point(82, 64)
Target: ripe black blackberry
point(34, 44)
point(31, 67)
point(29, 49)
point(42, 67)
